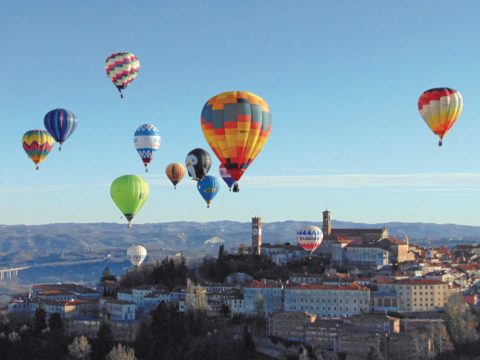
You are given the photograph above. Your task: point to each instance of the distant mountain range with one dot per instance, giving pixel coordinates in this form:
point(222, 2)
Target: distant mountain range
point(41, 241)
point(81, 245)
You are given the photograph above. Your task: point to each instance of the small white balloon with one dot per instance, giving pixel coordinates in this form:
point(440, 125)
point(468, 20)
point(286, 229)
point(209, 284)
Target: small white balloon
point(136, 254)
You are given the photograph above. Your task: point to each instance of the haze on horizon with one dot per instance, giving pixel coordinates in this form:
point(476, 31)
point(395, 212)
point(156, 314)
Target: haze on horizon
point(342, 80)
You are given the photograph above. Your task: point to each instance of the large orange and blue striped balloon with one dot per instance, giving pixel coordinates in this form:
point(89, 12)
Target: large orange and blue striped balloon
point(37, 144)
point(122, 68)
point(440, 108)
point(60, 123)
point(236, 125)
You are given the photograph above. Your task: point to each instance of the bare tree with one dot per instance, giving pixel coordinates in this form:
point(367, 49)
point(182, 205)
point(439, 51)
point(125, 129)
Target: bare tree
point(121, 352)
point(461, 323)
point(80, 348)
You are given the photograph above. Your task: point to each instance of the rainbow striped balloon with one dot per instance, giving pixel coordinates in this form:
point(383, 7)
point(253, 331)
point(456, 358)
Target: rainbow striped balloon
point(122, 68)
point(236, 125)
point(37, 144)
point(60, 123)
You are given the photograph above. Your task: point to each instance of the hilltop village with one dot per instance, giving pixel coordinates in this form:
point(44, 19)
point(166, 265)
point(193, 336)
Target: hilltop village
point(363, 294)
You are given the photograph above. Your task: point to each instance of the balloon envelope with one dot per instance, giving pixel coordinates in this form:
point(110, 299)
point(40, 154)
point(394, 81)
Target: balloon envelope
point(37, 144)
point(60, 123)
point(309, 238)
point(146, 140)
point(136, 254)
point(226, 176)
point(175, 173)
point(129, 193)
point(198, 162)
point(440, 109)
point(208, 188)
point(122, 68)
point(236, 125)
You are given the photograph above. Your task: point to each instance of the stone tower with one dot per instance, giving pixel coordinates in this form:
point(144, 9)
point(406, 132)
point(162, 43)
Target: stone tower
point(327, 223)
point(256, 235)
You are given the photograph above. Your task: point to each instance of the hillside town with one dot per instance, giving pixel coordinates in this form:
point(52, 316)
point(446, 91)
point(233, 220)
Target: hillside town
point(363, 294)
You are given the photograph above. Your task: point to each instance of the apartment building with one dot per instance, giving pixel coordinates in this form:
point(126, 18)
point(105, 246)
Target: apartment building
point(417, 294)
point(328, 301)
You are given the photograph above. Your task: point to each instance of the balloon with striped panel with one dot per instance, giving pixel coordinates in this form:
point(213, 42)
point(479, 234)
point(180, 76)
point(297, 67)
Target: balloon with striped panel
point(147, 140)
point(37, 144)
point(236, 125)
point(309, 238)
point(60, 123)
point(226, 177)
point(122, 68)
point(440, 108)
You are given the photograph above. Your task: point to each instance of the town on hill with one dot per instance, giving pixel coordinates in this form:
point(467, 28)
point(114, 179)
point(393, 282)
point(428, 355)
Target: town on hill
point(363, 294)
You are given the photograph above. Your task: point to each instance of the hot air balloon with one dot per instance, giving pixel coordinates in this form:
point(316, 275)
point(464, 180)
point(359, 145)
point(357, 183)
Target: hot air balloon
point(136, 255)
point(60, 123)
point(208, 187)
point(129, 193)
point(122, 68)
point(37, 144)
point(440, 108)
point(236, 125)
point(175, 172)
point(226, 177)
point(309, 238)
point(198, 163)
point(147, 141)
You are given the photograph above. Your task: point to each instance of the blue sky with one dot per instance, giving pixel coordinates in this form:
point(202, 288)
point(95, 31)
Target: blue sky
point(342, 79)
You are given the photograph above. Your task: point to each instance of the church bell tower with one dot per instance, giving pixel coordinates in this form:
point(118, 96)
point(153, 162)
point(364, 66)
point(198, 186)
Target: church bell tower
point(327, 223)
point(256, 235)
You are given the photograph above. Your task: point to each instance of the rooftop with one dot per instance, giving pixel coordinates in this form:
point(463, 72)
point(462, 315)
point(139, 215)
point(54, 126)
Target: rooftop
point(119, 302)
point(63, 288)
point(352, 286)
point(264, 285)
point(410, 281)
point(354, 231)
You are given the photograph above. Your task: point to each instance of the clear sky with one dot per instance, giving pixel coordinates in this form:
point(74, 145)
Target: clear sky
point(342, 79)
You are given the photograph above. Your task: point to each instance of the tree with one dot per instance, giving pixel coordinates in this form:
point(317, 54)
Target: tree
point(39, 321)
point(374, 354)
point(248, 344)
point(461, 323)
point(120, 352)
point(103, 343)
point(80, 348)
point(259, 305)
point(143, 340)
point(221, 252)
point(55, 322)
point(106, 275)
point(259, 313)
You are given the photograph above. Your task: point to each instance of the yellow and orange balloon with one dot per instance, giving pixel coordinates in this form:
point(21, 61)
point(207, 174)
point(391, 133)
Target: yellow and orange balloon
point(236, 125)
point(440, 108)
